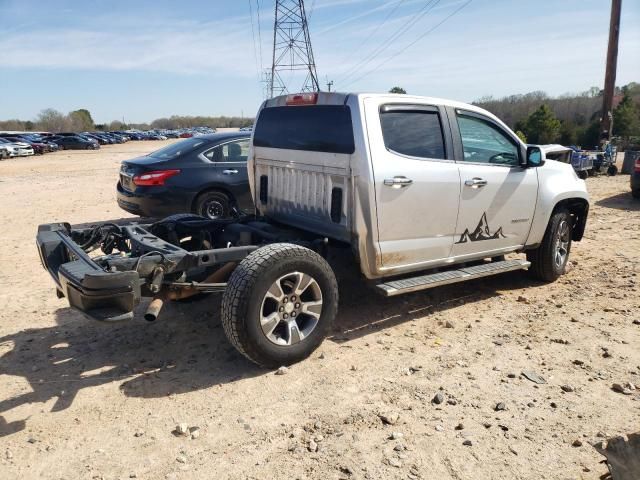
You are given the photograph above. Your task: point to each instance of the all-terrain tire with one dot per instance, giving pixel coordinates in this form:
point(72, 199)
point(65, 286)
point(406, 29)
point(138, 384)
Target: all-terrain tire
point(243, 302)
point(544, 264)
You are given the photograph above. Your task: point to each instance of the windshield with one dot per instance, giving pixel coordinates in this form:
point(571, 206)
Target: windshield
point(177, 149)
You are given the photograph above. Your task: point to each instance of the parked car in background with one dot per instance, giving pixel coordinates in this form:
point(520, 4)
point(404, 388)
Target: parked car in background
point(206, 175)
point(635, 179)
point(4, 152)
point(50, 146)
point(98, 139)
point(38, 147)
point(75, 142)
point(17, 149)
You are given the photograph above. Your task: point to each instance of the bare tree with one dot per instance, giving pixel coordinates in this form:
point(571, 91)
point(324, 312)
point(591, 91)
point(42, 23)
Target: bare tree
point(51, 120)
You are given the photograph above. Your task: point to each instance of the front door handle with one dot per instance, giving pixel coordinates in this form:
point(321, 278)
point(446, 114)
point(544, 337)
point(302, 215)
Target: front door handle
point(229, 172)
point(398, 182)
point(475, 182)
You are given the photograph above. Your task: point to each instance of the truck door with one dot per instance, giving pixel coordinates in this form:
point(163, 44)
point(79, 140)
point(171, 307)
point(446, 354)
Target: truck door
point(497, 195)
point(417, 185)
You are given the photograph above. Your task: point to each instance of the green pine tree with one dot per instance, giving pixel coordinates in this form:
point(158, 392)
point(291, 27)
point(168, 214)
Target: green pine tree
point(626, 117)
point(542, 126)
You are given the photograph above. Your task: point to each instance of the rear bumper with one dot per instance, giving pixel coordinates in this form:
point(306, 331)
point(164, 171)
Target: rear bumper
point(156, 204)
point(107, 296)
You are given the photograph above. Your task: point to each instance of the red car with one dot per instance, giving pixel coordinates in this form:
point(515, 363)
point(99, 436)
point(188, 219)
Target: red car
point(186, 135)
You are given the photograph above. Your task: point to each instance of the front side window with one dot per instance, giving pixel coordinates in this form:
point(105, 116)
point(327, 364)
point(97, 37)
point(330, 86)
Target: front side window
point(414, 133)
point(483, 142)
point(237, 151)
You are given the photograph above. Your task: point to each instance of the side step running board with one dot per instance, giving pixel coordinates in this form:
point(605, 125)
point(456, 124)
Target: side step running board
point(413, 284)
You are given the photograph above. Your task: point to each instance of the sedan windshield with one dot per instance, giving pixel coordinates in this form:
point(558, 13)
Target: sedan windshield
point(177, 149)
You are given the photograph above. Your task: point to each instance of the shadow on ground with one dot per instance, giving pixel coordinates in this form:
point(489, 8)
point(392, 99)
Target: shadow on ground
point(621, 201)
point(363, 312)
point(186, 349)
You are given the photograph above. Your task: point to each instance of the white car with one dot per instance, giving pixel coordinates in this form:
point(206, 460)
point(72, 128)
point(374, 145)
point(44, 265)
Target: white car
point(17, 149)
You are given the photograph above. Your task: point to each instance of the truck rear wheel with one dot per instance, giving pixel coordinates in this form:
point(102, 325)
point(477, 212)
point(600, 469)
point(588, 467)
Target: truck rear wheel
point(549, 260)
point(279, 304)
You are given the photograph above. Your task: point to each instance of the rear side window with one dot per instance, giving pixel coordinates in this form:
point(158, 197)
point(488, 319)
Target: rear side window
point(415, 133)
point(236, 151)
point(177, 149)
point(317, 128)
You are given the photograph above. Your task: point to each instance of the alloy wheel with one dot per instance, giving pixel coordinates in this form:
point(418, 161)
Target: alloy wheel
point(562, 244)
point(291, 309)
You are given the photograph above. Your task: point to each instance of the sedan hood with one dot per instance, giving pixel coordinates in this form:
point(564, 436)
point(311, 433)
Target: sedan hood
point(17, 145)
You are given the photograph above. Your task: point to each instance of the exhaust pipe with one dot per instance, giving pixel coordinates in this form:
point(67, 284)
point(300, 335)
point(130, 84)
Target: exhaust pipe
point(154, 310)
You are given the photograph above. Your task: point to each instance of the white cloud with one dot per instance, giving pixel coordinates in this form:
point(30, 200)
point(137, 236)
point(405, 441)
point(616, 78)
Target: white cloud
point(221, 48)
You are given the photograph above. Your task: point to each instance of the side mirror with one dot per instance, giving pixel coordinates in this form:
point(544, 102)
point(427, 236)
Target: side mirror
point(534, 157)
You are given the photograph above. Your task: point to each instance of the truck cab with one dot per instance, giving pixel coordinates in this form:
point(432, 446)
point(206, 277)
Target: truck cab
point(411, 183)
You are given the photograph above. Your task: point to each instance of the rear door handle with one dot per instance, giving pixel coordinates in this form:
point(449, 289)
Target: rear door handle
point(229, 172)
point(475, 182)
point(398, 182)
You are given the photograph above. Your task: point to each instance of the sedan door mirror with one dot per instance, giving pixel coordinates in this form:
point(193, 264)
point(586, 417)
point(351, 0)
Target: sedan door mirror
point(534, 157)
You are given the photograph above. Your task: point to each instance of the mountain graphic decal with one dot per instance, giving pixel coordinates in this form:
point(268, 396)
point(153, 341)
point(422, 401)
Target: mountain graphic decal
point(482, 232)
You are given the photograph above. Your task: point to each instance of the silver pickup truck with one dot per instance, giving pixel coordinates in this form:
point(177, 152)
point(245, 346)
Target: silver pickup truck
point(421, 191)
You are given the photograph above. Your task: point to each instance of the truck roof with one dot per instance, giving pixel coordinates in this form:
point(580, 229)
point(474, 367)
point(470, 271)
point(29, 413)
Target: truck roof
point(340, 98)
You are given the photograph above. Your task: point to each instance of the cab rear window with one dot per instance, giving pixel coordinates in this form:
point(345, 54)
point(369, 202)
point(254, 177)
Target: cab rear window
point(317, 128)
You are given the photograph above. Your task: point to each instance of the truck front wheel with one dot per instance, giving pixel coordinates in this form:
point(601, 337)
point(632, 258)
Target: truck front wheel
point(279, 304)
point(549, 260)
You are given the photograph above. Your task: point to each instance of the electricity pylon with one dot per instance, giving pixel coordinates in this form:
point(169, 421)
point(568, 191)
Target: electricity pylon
point(292, 48)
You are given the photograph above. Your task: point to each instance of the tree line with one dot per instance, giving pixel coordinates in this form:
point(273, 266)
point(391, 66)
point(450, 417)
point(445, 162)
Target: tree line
point(51, 120)
point(571, 119)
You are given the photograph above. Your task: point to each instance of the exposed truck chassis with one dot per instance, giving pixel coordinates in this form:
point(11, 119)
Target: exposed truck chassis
point(279, 293)
point(173, 259)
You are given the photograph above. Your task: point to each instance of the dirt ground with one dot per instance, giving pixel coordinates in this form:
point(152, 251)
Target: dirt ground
point(80, 399)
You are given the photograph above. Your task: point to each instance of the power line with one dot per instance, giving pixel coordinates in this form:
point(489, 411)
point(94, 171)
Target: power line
point(389, 41)
point(411, 44)
point(420, 14)
point(253, 35)
point(375, 30)
point(259, 31)
point(355, 17)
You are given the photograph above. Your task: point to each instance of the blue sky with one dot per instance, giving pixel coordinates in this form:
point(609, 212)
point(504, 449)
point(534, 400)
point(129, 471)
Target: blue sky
point(145, 59)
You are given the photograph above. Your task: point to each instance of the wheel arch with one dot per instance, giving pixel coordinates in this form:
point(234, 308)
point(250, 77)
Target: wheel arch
point(576, 202)
point(579, 210)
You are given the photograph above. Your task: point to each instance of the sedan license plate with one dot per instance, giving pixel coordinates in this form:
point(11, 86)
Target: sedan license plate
point(127, 182)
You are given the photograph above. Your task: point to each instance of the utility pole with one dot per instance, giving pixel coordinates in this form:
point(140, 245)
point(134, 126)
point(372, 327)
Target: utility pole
point(606, 122)
point(329, 85)
point(292, 48)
